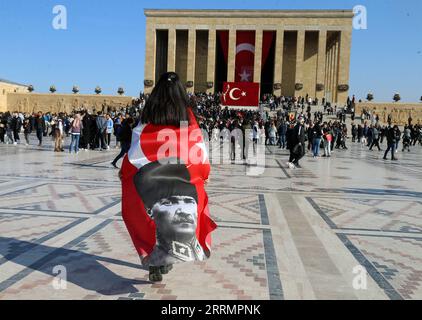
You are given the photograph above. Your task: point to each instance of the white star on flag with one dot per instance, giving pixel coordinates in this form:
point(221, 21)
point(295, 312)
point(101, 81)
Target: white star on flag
point(243, 94)
point(244, 76)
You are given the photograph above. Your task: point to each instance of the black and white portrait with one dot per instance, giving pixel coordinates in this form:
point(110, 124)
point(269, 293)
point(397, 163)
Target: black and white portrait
point(172, 202)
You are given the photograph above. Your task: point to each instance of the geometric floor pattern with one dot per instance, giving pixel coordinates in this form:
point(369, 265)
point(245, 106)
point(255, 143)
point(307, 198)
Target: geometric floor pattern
point(281, 235)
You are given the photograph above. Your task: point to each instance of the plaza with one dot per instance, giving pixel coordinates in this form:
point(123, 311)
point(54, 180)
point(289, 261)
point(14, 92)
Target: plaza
point(286, 234)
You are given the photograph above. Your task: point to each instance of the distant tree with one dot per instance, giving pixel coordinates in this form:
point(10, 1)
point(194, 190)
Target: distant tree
point(397, 97)
point(98, 90)
point(121, 91)
point(53, 89)
point(370, 97)
point(75, 89)
point(31, 88)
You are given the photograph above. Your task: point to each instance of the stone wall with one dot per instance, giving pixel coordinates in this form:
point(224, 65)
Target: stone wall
point(399, 111)
point(7, 88)
point(55, 103)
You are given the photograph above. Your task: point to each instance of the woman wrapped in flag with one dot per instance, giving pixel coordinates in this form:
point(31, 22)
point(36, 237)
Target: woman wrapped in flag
point(164, 203)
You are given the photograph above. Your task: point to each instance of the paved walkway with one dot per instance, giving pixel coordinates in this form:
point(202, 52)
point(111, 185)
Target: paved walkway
point(283, 235)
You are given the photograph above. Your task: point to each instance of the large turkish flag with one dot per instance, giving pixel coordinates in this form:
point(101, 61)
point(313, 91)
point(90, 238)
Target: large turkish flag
point(141, 164)
point(240, 94)
point(245, 56)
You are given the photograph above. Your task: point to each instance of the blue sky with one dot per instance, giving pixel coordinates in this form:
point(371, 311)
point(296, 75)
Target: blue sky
point(105, 40)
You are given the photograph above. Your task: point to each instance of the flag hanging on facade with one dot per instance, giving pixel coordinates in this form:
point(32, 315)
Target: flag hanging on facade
point(164, 203)
point(245, 56)
point(240, 94)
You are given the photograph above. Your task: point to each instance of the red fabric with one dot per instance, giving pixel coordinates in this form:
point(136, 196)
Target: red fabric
point(245, 56)
point(140, 226)
point(240, 94)
point(266, 45)
point(223, 36)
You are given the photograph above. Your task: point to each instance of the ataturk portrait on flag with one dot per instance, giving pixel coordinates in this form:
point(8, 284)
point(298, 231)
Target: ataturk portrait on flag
point(164, 202)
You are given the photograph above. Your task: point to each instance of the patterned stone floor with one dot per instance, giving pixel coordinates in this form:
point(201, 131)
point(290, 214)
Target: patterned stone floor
point(282, 235)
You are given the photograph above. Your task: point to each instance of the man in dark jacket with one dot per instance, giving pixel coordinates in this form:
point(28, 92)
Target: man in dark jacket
point(297, 144)
point(101, 123)
point(282, 129)
point(125, 140)
point(391, 141)
point(39, 127)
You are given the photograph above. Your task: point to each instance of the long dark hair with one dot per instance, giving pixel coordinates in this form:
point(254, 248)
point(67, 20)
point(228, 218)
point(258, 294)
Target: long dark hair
point(168, 102)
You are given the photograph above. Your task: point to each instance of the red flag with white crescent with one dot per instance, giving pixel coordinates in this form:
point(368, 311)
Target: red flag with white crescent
point(240, 94)
point(164, 203)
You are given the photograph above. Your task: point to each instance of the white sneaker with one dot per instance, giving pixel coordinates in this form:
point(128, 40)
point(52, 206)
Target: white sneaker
point(15, 143)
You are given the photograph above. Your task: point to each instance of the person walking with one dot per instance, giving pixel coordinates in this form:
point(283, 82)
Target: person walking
point(9, 128)
point(101, 123)
point(317, 135)
point(375, 138)
point(407, 139)
point(164, 203)
point(391, 142)
point(40, 127)
point(58, 132)
point(125, 140)
point(26, 130)
point(327, 139)
point(282, 129)
point(296, 144)
point(75, 131)
point(16, 127)
point(109, 130)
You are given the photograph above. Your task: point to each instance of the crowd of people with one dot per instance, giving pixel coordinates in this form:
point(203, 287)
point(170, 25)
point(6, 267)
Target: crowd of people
point(288, 123)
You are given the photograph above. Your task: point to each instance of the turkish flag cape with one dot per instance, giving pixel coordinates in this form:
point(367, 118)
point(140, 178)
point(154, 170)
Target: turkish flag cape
point(145, 150)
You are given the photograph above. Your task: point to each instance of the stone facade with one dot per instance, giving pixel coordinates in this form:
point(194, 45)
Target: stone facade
point(55, 103)
point(400, 112)
point(312, 47)
point(7, 87)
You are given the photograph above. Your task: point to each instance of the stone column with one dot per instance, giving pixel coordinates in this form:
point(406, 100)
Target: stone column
point(278, 64)
point(322, 52)
point(212, 34)
point(344, 63)
point(335, 72)
point(150, 47)
point(299, 60)
point(330, 73)
point(327, 55)
point(259, 34)
point(190, 76)
point(171, 59)
point(231, 61)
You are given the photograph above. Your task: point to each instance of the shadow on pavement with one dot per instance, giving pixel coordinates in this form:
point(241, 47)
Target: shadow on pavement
point(84, 270)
